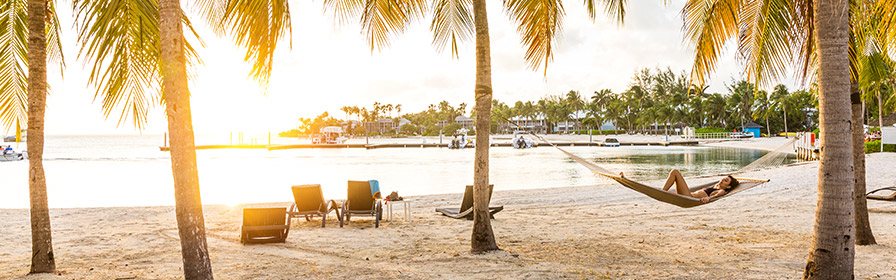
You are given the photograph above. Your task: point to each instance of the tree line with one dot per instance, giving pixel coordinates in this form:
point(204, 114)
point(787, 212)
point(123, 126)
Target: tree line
point(655, 98)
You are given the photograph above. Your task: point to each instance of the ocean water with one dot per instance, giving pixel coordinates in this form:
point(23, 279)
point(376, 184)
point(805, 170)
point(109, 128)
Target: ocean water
point(108, 171)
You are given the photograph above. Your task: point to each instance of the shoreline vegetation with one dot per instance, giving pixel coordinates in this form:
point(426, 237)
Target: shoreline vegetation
point(657, 100)
point(550, 233)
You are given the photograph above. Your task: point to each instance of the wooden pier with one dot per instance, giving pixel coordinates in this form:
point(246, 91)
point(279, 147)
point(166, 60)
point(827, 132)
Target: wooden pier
point(424, 145)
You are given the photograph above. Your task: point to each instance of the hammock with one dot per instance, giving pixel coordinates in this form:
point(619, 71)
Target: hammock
point(665, 196)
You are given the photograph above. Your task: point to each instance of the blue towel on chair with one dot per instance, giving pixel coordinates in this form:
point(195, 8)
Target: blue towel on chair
point(375, 189)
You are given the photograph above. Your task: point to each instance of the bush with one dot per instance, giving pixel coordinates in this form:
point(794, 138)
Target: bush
point(711, 129)
point(599, 132)
point(874, 147)
point(408, 128)
point(816, 131)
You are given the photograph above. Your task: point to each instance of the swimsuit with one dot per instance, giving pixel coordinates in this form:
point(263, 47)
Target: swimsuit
point(710, 190)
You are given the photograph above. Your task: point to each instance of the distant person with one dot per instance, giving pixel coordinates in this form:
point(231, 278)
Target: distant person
point(705, 194)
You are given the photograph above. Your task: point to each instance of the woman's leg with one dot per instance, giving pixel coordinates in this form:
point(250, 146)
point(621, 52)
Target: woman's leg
point(681, 187)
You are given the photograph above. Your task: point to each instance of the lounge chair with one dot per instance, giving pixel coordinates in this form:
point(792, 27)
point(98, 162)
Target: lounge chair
point(466, 206)
point(264, 225)
point(891, 197)
point(360, 201)
point(309, 202)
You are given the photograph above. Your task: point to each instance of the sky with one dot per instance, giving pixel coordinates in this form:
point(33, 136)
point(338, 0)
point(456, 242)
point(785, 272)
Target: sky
point(330, 65)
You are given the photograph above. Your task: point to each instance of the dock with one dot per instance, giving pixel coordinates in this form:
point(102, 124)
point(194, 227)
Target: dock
point(424, 145)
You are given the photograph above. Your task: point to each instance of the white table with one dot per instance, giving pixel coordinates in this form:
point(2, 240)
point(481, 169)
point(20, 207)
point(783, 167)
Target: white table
point(406, 204)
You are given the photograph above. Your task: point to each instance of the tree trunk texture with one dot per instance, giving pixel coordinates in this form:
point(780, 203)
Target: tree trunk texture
point(483, 238)
point(833, 249)
point(42, 258)
point(864, 235)
point(188, 205)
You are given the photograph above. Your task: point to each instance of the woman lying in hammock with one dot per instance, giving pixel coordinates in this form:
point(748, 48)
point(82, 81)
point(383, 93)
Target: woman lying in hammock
point(705, 194)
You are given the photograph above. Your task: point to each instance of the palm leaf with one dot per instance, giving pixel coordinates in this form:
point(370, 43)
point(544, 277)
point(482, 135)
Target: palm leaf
point(379, 18)
point(452, 22)
point(708, 25)
point(615, 9)
point(765, 41)
point(120, 40)
point(14, 59)
point(539, 22)
point(804, 37)
point(258, 25)
point(13, 63)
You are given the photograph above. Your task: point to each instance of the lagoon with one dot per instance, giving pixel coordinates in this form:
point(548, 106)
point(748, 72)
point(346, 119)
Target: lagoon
point(111, 171)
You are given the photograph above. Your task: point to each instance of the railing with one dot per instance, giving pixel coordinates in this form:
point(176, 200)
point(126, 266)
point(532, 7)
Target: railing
point(806, 147)
point(713, 135)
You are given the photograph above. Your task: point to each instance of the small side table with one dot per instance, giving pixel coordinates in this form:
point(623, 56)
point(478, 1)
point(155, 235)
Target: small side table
point(406, 204)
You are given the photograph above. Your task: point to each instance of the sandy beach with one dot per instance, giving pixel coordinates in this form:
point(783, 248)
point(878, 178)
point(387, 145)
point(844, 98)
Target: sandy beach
point(599, 231)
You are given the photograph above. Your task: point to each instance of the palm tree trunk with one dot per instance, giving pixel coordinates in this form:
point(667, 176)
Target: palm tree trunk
point(483, 238)
point(188, 204)
point(785, 120)
point(864, 235)
point(767, 127)
point(42, 258)
point(833, 255)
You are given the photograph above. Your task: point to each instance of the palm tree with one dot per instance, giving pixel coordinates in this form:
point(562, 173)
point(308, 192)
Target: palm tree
point(452, 22)
point(775, 30)
point(30, 33)
point(42, 258)
point(148, 45)
point(781, 98)
point(765, 110)
point(821, 25)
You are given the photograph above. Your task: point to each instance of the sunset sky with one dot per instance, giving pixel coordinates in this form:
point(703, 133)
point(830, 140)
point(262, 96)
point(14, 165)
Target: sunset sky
point(331, 65)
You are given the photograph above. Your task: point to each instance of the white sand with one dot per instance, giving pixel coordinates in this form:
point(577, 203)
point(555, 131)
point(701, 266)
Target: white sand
point(600, 231)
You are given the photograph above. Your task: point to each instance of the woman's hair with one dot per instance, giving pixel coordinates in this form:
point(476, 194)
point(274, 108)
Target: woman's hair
point(733, 182)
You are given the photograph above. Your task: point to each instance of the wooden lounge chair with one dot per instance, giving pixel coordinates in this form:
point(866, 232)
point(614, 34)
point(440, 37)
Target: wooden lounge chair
point(309, 202)
point(264, 225)
point(466, 206)
point(891, 197)
point(360, 201)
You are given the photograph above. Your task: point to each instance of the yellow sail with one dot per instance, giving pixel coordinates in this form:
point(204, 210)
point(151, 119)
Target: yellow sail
point(18, 132)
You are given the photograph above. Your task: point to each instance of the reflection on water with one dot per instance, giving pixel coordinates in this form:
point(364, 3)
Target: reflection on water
point(92, 171)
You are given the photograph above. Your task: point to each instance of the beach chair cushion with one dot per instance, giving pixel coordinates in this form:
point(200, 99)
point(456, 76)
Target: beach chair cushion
point(264, 225)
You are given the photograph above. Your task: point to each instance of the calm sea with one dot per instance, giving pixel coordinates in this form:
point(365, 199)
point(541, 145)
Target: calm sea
point(104, 171)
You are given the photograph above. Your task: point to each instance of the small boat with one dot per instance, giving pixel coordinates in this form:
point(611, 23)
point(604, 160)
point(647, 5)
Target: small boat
point(8, 154)
point(329, 135)
point(611, 142)
point(460, 141)
point(521, 142)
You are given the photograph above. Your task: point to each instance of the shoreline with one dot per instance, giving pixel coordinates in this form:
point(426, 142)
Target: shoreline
point(592, 231)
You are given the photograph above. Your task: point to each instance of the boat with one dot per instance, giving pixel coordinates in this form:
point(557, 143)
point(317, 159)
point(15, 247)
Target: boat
point(329, 135)
point(611, 142)
point(460, 141)
point(521, 142)
point(9, 155)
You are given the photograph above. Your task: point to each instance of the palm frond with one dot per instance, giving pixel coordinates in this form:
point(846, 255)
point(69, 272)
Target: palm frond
point(13, 63)
point(887, 11)
point(54, 43)
point(258, 25)
point(539, 22)
point(213, 12)
point(379, 18)
point(804, 36)
point(765, 41)
point(615, 9)
point(708, 25)
point(452, 22)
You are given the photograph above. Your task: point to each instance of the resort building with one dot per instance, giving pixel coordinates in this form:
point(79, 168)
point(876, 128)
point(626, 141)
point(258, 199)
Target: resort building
point(465, 122)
